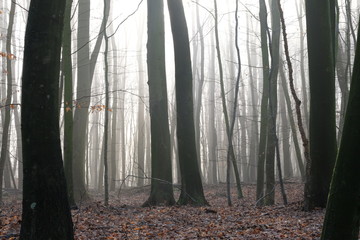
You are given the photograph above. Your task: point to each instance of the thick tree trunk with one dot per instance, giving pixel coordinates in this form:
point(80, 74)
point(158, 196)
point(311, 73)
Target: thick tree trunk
point(343, 211)
point(191, 185)
point(46, 212)
point(161, 172)
point(322, 103)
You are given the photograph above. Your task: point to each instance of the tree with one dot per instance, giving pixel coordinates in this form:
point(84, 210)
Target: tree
point(191, 185)
point(45, 210)
point(141, 117)
point(212, 137)
point(68, 100)
point(5, 133)
point(85, 73)
point(161, 175)
point(271, 142)
point(264, 103)
point(342, 212)
point(322, 102)
point(83, 88)
point(106, 120)
point(230, 158)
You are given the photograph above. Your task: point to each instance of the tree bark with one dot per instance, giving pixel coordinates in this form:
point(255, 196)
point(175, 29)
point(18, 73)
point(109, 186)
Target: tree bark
point(191, 185)
point(46, 213)
point(68, 102)
point(264, 104)
point(7, 118)
point(161, 172)
point(323, 145)
point(343, 211)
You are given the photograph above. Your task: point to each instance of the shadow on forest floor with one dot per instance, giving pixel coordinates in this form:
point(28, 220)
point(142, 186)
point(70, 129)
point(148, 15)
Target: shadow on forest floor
point(125, 219)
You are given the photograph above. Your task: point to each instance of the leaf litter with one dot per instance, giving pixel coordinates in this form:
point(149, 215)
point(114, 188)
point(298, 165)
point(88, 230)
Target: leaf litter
point(124, 218)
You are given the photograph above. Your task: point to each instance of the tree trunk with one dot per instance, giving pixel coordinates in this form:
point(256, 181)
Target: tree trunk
point(114, 136)
point(322, 103)
point(68, 102)
point(5, 134)
point(140, 119)
point(46, 213)
point(191, 185)
point(106, 118)
point(292, 123)
point(199, 89)
point(82, 102)
point(212, 136)
point(343, 212)
point(272, 111)
point(231, 158)
point(161, 172)
point(264, 104)
point(253, 131)
point(285, 130)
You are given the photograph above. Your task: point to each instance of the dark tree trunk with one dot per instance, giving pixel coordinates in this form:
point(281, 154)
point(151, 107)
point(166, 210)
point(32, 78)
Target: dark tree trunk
point(343, 211)
point(322, 103)
point(68, 102)
point(46, 212)
point(191, 185)
point(272, 110)
point(161, 172)
point(264, 104)
point(106, 119)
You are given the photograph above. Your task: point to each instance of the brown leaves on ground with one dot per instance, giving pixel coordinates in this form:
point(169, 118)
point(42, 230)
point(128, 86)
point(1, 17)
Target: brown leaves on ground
point(125, 219)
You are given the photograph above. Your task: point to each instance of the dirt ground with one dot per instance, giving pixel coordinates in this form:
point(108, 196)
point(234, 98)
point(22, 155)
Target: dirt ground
point(124, 218)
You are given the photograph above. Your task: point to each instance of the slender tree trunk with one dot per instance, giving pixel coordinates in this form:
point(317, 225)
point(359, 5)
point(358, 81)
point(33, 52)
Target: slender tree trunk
point(199, 89)
point(106, 120)
point(272, 139)
point(212, 136)
point(140, 119)
point(68, 102)
point(82, 102)
point(285, 130)
point(299, 10)
point(86, 68)
point(264, 104)
point(114, 136)
point(253, 131)
point(229, 127)
point(292, 123)
point(7, 118)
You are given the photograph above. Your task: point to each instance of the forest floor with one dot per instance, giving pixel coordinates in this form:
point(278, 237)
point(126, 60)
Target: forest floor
point(124, 218)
